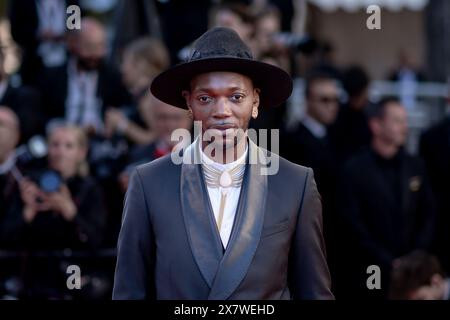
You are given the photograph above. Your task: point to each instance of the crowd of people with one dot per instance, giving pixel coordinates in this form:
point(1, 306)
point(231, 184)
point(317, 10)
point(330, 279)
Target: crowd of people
point(381, 205)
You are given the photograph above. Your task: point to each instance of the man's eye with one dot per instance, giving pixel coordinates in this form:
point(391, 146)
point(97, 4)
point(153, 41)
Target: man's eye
point(237, 97)
point(204, 99)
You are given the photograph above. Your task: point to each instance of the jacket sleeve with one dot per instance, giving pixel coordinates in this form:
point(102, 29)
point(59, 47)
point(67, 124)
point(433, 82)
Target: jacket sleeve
point(133, 278)
point(309, 276)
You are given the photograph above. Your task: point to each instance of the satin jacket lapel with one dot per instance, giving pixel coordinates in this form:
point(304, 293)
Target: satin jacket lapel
point(197, 213)
point(246, 232)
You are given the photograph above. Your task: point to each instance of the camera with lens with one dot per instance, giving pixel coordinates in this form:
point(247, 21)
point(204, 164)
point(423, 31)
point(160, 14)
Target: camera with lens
point(36, 149)
point(49, 181)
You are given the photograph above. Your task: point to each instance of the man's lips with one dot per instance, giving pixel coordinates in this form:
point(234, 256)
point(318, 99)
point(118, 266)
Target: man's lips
point(223, 127)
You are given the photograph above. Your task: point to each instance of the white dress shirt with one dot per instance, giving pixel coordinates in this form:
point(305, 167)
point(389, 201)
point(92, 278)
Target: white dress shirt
point(83, 107)
point(232, 196)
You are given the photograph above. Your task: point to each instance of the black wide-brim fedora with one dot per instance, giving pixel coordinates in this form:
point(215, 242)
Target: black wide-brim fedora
point(221, 49)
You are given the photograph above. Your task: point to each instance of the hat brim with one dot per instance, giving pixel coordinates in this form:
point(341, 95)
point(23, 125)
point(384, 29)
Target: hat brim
point(275, 84)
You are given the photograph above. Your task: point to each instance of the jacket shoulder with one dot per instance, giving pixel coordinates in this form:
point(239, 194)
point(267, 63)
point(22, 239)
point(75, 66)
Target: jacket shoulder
point(157, 167)
point(292, 169)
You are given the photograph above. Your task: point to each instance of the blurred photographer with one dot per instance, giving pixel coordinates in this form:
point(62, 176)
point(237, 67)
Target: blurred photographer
point(60, 207)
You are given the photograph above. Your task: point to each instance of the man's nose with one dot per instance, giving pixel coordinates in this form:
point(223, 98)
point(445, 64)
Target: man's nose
point(222, 108)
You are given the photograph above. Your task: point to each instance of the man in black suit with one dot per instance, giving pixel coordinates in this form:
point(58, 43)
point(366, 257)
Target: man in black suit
point(435, 149)
point(80, 90)
point(309, 145)
point(220, 226)
point(386, 204)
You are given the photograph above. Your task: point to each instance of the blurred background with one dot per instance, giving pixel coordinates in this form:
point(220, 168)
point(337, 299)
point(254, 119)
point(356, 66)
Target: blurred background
point(369, 114)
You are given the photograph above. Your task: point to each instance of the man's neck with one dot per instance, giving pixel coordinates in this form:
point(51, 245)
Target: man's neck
point(224, 157)
point(383, 149)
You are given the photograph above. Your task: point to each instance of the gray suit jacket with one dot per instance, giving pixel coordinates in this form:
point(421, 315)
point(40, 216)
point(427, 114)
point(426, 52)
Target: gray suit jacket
point(169, 246)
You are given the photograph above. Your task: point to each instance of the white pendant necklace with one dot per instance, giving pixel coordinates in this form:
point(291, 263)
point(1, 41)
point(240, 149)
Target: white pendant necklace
point(225, 179)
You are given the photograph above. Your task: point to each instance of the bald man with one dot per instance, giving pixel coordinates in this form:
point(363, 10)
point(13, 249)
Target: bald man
point(91, 45)
point(81, 90)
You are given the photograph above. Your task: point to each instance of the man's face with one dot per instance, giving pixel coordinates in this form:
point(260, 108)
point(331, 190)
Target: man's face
point(323, 101)
point(91, 48)
point(223, 102)
point(393, 126)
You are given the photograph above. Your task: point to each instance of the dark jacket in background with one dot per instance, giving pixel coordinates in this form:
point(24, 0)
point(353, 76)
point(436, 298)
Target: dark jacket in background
point(350, 132)
point(26, 103)
point(435, 149)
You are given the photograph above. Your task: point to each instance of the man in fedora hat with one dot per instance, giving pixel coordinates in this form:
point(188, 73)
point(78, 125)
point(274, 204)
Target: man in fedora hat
point(222, 228)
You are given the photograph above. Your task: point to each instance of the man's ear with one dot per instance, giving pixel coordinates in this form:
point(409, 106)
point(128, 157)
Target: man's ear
point(256, 93)
point(255, 106)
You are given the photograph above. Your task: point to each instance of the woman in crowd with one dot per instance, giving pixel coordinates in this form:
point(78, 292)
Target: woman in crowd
point(142, 60)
